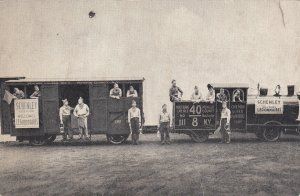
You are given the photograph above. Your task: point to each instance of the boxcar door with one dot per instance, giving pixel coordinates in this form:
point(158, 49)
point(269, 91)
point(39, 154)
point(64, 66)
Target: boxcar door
point(50, 109)
point(98, 107)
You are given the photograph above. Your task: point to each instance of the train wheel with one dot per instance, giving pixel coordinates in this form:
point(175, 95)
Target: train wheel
point(199, 137)
point(37, 141)
point(117, 139)
point(271, 134)
point(50, 139)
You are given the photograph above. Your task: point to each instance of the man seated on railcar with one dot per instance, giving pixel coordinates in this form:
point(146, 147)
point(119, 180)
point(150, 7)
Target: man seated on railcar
point(19, 94)
point(221, 97)
point(174, 92)
point(116, 92)
point(131, 92)
point(82, 111)
point(37, 93)
point(196, 96)
point(210, 97)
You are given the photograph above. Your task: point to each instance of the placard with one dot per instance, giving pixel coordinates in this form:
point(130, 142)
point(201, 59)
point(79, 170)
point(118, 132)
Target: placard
point(194, 116)
point(268, 105)
point(26, 113)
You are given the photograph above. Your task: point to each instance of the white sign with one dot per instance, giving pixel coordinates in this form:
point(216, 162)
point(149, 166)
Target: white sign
point(26, 113)
point(268, 105)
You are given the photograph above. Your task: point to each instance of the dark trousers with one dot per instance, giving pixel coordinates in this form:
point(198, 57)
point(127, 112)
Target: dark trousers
point(224, 133)
point(67, 127)
point(165, 132)
point(135, 128)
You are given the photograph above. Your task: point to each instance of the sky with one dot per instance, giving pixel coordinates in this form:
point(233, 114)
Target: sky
point(194, 42)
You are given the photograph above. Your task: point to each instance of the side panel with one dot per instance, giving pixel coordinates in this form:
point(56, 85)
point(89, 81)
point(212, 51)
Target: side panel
point(98, 108)
point(6, 118)
point(50, 109)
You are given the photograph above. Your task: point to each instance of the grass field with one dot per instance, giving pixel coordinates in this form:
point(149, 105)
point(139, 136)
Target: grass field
point(244, 167)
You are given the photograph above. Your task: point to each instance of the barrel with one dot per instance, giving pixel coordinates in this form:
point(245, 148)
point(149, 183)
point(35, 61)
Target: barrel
point(263, 92)
point(291, 90)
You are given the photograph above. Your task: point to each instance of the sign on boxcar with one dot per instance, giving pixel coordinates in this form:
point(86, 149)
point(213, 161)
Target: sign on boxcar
point(26, 113)
point(189, 115)
point(268, 105)
point(238, 115)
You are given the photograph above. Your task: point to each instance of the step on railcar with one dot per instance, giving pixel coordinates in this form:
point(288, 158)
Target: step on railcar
point(41, 124)
point(266, 116)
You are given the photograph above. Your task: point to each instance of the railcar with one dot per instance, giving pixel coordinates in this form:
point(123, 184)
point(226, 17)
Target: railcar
point(41, 125)
point(266, 116)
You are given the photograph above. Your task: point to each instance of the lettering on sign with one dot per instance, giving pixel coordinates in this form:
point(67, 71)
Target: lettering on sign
point(26, 113)
point(268, 105)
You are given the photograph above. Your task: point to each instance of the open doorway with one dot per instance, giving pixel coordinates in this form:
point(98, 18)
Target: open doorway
point(72, 92)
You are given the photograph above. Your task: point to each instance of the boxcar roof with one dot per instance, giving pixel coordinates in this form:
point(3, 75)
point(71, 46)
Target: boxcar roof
point(5, 78)
point(229, 85)
point(103, 79)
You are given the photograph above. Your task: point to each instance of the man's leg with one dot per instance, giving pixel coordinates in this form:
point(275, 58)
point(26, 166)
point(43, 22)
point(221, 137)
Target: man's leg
point(167, 134)
point(65, 124)
point(222, 131)
point(69, 128)
point(162, 134)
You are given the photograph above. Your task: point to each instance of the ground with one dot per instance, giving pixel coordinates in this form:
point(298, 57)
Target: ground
point(244, 167)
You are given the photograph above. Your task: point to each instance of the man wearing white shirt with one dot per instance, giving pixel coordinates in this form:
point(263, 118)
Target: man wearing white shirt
point(225, 123)
point(196, 96)
point(135, 121)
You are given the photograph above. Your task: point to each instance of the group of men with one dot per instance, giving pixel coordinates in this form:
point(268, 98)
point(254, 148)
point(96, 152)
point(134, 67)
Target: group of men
point(19, 94)
point(197, 97)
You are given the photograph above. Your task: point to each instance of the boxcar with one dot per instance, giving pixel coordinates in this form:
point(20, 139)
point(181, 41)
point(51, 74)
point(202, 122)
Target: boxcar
point(266, 116)
point(107, 116)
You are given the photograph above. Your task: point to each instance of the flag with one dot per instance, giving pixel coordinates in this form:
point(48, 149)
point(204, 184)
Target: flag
point(8, 97)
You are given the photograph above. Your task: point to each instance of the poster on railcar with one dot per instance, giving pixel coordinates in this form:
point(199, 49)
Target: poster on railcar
point(194, 116)
point(268, 105)
point(238, 115)
point(26, 113)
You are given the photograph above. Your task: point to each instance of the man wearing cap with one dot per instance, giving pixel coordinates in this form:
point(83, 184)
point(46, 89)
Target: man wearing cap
point(196, 96)
point(225, 124)
point(82, 111)
point(164, 125)
point(65, 119)
point(174, 92)
point(116, 92)
point(134, 120)
point(211, 94)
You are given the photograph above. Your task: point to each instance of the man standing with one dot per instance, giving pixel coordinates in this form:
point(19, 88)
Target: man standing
point(82, 111)
point(196, 96)
point(164, 125)
point(19, 94)
point(116, 92)
point(174, 92)
point(134, 120)
point(65, 119)
point(225, 124)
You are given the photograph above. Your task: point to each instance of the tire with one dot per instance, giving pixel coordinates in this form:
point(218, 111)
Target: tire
point(199, 137)
point(117, 139)
point(271, 134)
point(37, 141)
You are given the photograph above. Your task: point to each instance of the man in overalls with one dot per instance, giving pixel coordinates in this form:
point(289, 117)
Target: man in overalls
point(82, 111)
point(174, 92)
point(135, 122)
point(164, 125)
point(225, 124)
point(65, 119)
point(116, 92)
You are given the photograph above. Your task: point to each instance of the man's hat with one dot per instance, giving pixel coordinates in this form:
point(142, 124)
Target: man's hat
point(209, 86)
point(64, 100)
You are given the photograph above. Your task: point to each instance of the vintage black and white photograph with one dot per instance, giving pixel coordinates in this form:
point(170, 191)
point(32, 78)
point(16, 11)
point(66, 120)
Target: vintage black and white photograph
point(150, 97)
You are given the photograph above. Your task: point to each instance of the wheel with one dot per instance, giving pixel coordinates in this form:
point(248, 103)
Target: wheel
point(117, 139)
point(271, 134)
point(199, 137)
point(37, 141)
point(50, 139)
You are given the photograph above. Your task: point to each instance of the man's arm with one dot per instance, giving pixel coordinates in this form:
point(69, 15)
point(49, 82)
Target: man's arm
point(179, 89)
point(228, 116)
point(60, 115)
point(75, 111)
point(140, 117)
point(87, 111)
point(120, 93)
point(135, 93)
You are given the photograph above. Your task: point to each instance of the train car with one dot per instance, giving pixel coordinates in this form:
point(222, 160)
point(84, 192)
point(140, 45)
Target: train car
point(266, 116)
point(37, 120)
